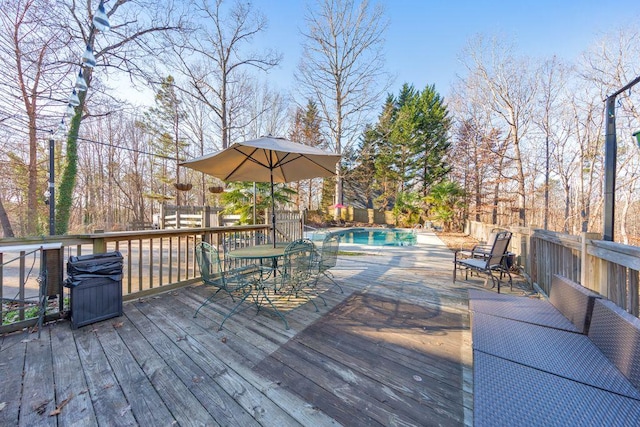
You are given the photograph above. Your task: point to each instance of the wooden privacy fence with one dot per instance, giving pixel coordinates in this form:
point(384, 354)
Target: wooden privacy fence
point(609, 268)
point(154, 261)
point(366, 216)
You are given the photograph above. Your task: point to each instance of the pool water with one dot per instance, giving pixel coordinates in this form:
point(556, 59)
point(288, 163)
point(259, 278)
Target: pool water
point(379, 237)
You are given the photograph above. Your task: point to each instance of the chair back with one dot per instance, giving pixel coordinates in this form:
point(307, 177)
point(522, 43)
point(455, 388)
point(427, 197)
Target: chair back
point(499, 248)
point(297, 262)
point(208, 260)
point(329, 252)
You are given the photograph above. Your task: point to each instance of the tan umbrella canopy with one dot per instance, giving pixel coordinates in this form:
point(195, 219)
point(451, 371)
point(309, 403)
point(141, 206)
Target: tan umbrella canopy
point(267, 159)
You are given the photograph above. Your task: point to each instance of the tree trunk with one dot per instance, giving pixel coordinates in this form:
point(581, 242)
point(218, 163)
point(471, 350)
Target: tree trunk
point(567, 207)
point(338, 199)
point(69, 174)
point(4, 221)
point(32, 193)
point(623, 218)
point(522, 217)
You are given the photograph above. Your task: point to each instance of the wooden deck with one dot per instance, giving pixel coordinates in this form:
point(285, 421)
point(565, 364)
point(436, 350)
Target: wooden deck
point(394, 349)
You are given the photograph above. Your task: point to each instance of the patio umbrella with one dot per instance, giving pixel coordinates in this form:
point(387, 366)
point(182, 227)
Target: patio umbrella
point(267, 159)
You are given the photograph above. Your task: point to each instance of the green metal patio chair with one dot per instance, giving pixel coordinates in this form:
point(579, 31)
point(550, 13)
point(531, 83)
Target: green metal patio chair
point(326, 258)
point(292, 278)
point(239, 281)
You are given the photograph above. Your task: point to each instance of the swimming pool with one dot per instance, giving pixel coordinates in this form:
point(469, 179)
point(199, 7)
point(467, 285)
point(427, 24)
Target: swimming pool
point(379, 237)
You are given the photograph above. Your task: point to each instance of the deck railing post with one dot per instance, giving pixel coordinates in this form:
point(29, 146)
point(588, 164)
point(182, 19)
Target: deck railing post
point(99, 245)
point(586, 261)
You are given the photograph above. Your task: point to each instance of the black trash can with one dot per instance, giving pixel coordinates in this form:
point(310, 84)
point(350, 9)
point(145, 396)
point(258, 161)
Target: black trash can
point(95, 283)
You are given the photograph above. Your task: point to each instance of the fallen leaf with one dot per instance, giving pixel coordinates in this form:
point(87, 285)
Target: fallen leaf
point(40, 407)
point(3, 405)
point(61, 405)
point(181, 338)
point(118, 324)
point(223, 339)
point(125, 410)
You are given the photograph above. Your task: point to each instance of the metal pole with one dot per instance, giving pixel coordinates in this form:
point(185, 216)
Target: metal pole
point(52, 199)
point(273, 211)
point(254, 203)
point(610, 153)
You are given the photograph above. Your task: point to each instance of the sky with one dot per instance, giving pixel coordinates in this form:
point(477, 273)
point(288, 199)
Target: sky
point(425, 39)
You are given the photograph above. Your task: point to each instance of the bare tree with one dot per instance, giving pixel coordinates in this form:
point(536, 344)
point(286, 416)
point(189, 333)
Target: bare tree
point(31, 48)
point(609, 64)
point(199, 132)
point(479, 151)
point(342, 68)
point(218, 77)
point(125, 49)
point(510, 89)
point(552, 78)
point(266, 112)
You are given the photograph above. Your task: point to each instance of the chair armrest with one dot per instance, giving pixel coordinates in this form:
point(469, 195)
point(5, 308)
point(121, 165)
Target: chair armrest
point(462, 254)
point(481, 249)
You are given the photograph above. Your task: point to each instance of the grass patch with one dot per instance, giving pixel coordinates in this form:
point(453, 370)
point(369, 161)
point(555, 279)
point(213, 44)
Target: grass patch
point(351, 253)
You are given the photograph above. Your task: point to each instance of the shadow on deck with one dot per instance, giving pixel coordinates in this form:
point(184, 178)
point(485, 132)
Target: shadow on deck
point(394, 349)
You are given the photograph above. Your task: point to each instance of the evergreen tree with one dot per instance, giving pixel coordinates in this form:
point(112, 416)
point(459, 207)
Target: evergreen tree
point(430, 141)
point(387, 176)
point(408, 147)
point(362, 177)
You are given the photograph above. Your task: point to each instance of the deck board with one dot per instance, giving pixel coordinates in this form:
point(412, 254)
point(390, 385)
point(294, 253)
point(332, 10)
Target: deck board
point(71, 389)
point(209, 373)
point(382, 388)
point(394, 348)
point(109, 402)
point(145, 401)
point(12, 359)
point(37, 383)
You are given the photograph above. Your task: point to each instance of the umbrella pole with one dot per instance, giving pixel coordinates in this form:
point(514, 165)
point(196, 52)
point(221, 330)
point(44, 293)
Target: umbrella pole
point(273, 212)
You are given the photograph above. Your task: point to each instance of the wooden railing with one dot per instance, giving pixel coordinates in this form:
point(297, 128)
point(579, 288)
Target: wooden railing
point(154, 261)
point(609, 268)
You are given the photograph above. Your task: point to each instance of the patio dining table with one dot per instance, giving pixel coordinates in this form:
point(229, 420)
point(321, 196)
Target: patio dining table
point(261, 253)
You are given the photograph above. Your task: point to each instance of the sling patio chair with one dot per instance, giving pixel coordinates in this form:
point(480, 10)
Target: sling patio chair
point(481, 250)
point(491, 262)
point(239, 281)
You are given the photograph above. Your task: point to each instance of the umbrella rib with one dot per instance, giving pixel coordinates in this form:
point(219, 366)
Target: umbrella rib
point(282, 162)
point(247, 157)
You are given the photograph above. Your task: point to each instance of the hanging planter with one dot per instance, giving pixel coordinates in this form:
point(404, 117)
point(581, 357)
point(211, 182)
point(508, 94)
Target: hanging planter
point(182, 186)
point(216, 189)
